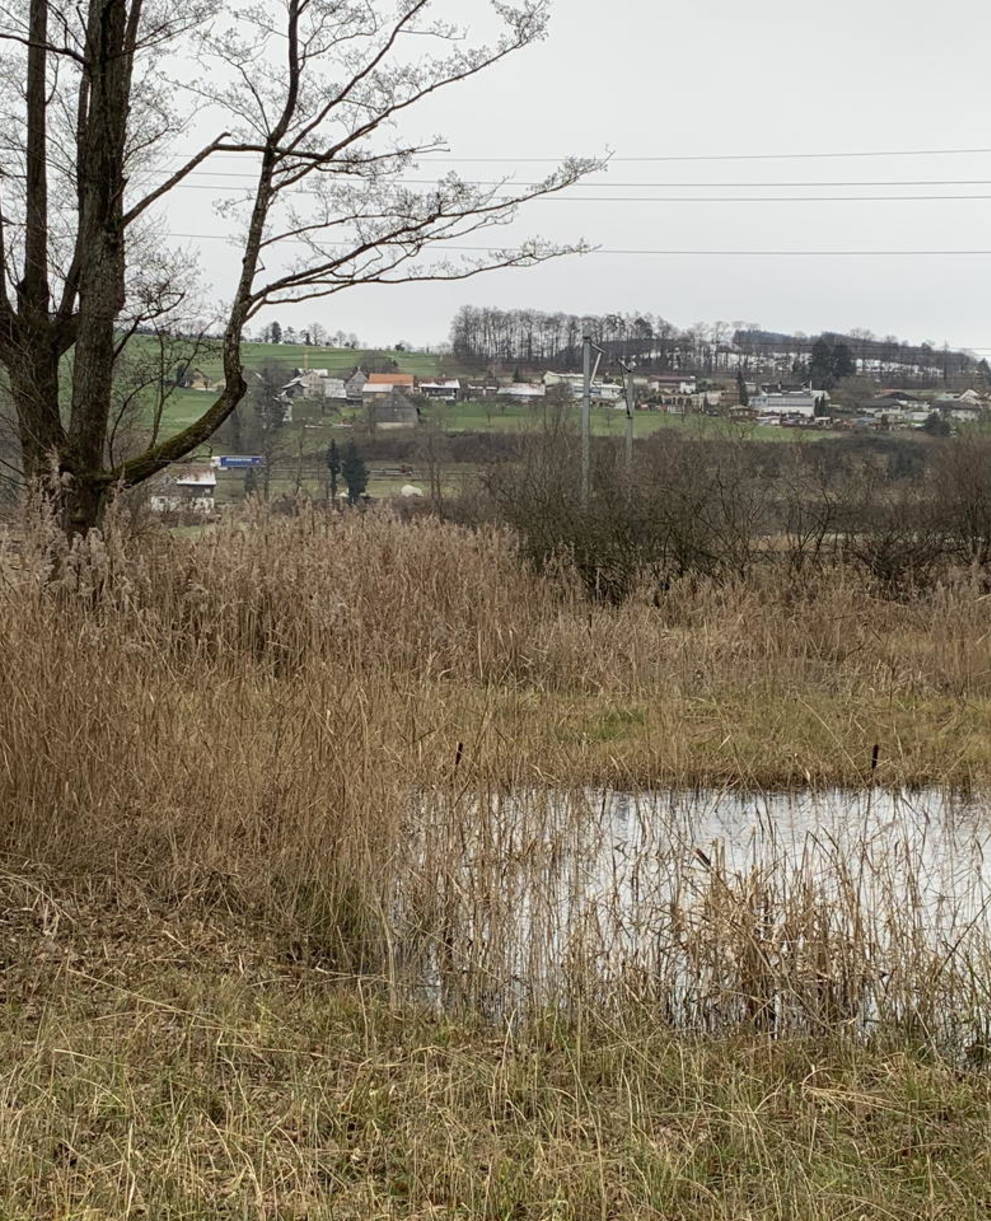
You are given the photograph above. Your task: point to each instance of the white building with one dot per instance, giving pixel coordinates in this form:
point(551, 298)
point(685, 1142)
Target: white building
point(789, 402)
point(186, 489)
point(334, 388)
point(448, 391)
point(522, 392)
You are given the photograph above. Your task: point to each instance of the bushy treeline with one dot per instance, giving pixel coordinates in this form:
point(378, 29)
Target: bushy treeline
point(903, 513)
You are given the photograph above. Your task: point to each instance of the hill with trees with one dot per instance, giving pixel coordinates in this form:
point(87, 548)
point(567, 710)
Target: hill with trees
point(484, 336)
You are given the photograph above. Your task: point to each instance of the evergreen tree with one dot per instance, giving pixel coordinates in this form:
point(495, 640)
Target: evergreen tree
point(821, 366)
point(936, 426)
point(741, 386)
point(275, 331)
point(355, 472)
point(843, 362)
point(333, 468)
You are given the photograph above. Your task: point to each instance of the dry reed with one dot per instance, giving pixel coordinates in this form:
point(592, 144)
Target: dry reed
point(331, 887)
point(312, 721)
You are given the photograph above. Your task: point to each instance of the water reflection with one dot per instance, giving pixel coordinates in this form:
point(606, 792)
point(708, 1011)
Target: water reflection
point(802, 905)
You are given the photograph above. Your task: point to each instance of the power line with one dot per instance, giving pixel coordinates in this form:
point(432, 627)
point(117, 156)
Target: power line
point(686, 157)
point(919, 152)
point(495, 182)
point(641, 199)
point(830, 254)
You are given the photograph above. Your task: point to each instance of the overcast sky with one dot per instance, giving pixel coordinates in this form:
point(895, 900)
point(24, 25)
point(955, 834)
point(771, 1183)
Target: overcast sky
point(649, 79)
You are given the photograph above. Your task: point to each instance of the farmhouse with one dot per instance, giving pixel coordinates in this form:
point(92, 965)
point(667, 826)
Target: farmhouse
point(402, 381)
point(354, 385)
point(448, 391)
point(966, 406)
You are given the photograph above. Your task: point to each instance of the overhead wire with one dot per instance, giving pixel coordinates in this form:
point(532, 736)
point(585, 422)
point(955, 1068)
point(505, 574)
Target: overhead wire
point(641, 199)
point(441, 246)
point(446, 158)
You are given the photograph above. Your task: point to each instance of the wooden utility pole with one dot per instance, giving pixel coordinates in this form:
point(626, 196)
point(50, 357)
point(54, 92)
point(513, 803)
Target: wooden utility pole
point(586, 417)
point(630, 408)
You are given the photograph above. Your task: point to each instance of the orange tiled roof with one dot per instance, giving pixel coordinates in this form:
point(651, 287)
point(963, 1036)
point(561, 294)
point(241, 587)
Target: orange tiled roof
point(391, 379)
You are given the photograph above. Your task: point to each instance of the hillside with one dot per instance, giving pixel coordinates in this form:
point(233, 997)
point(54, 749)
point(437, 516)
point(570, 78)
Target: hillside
point(337, 360)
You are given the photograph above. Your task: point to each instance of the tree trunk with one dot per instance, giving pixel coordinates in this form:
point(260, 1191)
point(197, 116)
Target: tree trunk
point(34, 391)
point(101, 282)
point(81, 504)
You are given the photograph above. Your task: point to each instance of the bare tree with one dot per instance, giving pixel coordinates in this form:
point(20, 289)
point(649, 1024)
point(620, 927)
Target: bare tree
point(311, 94)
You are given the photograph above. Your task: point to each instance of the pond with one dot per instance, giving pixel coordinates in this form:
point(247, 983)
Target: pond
point(776, 909)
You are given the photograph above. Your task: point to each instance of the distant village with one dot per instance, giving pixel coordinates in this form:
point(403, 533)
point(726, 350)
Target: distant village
point(395, 399)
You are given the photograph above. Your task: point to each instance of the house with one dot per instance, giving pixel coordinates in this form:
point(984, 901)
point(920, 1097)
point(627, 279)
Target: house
point(607, 393)
point(482, 390)
point(401, 381)
point(573, 380)
point(185, 489)
point(448, 391)
point(901, 397)
point(522, 392)
point(293, 389)
point(196, 379)
point(574, 383)
point(966, 406)
point(391, 410)
point(801, 403)
point(334, 388)
point(354, 385)
point(673, 383)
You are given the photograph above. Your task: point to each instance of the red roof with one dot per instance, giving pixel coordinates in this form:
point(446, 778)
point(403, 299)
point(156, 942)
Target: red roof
point(391, 379)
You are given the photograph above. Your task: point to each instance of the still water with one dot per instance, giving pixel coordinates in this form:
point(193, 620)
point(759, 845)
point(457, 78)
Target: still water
point(861, 898)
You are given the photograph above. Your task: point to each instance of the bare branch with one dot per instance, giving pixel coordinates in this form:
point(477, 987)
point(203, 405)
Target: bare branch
point(42, 45)
point(133, 213)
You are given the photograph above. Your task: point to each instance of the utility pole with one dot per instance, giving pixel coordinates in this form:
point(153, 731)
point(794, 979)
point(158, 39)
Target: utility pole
point(586, 417)
point(630, 408)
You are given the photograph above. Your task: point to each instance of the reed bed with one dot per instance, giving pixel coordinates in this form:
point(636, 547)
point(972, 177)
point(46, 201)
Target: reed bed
point(332, 841)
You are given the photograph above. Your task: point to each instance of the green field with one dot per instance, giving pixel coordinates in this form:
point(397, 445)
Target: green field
point(337, 360)
point(185, 406)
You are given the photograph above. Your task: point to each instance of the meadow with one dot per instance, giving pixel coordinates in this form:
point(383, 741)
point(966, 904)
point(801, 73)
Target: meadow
point(276, 795)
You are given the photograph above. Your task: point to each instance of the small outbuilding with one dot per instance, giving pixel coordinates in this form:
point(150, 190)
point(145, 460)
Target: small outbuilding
point(185, 489)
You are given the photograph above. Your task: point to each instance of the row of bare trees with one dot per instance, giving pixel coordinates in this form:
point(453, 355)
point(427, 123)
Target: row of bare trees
point(484, 336)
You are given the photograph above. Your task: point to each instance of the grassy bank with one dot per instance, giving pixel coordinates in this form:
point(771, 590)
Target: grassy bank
point(297, 921)
point(162, 1067)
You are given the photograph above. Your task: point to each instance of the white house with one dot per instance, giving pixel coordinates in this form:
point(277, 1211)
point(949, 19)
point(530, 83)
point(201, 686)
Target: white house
point(673, 383)
point(788, 402)
point(522, 392)
point(448, 391)
point(186, 489)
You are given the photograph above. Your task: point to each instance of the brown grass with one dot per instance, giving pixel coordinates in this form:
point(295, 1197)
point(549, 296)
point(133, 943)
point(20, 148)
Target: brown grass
point(277, 797)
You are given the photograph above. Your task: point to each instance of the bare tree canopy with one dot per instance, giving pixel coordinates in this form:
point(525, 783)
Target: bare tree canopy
point(312, 95)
